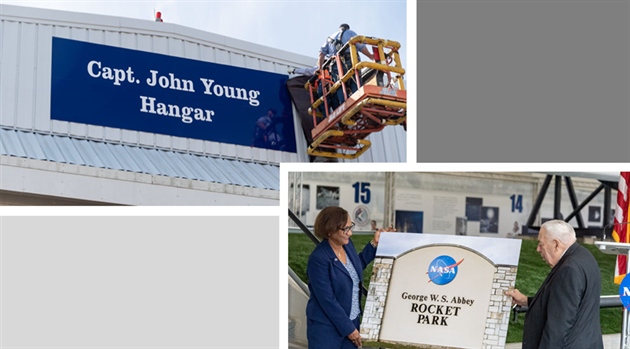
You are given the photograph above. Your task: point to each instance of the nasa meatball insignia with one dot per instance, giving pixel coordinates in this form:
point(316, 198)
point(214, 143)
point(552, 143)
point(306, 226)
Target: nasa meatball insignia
point(442, 270)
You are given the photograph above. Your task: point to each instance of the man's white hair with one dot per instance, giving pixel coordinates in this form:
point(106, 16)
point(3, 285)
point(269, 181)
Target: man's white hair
point(560, 230)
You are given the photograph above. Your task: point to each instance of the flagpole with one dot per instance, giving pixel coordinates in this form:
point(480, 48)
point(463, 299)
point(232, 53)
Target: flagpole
point(621, 236)
point(618, 248)
point(624, 324)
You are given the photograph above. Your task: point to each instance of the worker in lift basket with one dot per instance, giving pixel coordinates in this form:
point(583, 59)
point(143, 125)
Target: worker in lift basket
point(330, 48)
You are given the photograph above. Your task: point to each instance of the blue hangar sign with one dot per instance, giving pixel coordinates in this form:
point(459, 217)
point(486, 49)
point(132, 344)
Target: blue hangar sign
point(142, 91)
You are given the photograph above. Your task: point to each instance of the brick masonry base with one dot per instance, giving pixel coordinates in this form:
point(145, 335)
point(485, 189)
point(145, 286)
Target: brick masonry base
point(497, 319)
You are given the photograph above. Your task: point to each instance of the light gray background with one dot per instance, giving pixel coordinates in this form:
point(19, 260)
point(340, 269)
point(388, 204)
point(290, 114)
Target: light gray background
point(523, 81)
point(118, 282)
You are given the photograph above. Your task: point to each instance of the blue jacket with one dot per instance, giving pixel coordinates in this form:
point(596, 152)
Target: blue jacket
point(331, 285)
point(328, 48)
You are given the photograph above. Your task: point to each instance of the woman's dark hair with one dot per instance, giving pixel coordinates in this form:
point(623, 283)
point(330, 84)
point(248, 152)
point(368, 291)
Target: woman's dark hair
point(329, 220)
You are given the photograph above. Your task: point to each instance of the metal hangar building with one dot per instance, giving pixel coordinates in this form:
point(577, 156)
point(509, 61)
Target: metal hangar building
point(65, 141)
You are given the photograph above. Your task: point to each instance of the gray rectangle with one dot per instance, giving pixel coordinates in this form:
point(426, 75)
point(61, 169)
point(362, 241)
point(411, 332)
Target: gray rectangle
point(86, 282)
point(523, 81)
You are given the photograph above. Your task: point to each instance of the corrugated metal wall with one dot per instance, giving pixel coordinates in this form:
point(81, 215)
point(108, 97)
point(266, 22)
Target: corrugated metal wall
point(117, 156)
point(25, 73)
point(389, 145)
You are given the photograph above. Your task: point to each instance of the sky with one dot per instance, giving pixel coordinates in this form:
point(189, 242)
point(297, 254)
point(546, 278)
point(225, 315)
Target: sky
point(291, 25)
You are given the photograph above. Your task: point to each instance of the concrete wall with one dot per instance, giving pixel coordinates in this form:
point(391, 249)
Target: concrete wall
point(425, 191)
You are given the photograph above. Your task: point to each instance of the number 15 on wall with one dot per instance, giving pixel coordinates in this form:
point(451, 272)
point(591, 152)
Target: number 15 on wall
point(361, 192)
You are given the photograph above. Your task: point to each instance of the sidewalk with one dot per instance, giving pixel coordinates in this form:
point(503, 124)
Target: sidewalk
point(297, 346)
point(611, 341)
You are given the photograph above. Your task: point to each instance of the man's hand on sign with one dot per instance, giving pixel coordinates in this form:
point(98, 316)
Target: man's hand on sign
point(355, 337)
point(517, 297)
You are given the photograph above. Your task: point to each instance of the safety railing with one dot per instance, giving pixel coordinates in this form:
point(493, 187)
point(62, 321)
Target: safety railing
point(387, 61)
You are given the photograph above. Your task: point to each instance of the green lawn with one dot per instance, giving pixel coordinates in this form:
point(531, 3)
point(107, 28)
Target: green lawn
point(532, 271)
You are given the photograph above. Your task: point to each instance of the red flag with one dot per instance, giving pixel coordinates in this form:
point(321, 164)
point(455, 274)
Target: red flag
point(621, 232)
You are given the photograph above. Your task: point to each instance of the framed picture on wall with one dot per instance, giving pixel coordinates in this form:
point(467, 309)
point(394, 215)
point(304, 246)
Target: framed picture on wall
point(327, 196)
point(594, 213)
point(473, 209)
point(409, 221)
point(461, 226)
point(489, 221)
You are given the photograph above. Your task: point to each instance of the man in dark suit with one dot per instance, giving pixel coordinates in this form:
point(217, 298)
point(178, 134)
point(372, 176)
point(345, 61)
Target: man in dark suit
point(564, 313)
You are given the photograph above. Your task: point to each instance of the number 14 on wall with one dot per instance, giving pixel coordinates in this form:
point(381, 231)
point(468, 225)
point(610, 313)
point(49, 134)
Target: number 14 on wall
point(517, 202)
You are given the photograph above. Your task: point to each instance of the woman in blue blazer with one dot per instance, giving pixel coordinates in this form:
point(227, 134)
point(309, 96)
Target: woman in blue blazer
point(335, 271)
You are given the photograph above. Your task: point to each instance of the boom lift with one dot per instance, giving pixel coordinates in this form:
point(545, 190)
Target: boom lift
point(380, 99)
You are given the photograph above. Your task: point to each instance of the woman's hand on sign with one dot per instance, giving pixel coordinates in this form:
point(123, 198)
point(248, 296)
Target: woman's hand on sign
point(517, 297)
point(377, 234)
point(355, 337)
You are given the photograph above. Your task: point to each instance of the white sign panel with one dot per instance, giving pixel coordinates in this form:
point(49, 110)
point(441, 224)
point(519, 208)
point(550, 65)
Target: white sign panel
point(441, 290)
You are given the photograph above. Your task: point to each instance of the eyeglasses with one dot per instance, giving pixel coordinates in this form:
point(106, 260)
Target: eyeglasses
point(346, 230)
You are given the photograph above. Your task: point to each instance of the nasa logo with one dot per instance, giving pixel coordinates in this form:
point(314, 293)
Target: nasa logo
point(442, 270)
point(624, 291)
point(361, 215)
